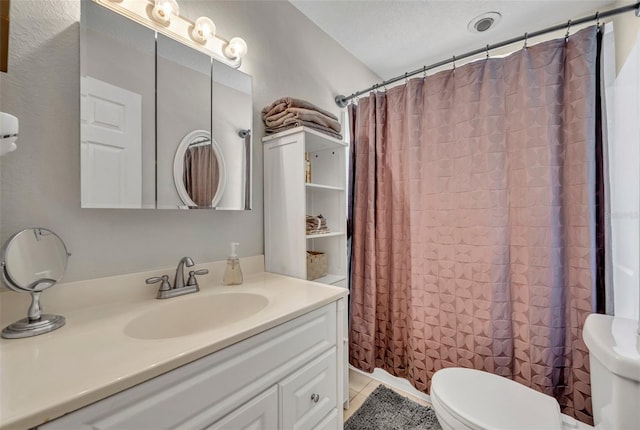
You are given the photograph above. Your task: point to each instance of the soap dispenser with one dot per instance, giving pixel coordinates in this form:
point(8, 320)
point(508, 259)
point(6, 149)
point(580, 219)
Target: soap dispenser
point(233, 273)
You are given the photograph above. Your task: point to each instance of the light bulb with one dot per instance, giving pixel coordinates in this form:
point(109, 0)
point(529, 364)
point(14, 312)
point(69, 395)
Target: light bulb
point(163, 9)
point(236, 48)
point(203, 30)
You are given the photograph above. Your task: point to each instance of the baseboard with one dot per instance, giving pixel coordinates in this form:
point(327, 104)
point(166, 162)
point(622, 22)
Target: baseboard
point(388, 379)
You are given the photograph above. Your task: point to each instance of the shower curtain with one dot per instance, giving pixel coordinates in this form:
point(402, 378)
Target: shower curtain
point(473, 221)
point(201, 174)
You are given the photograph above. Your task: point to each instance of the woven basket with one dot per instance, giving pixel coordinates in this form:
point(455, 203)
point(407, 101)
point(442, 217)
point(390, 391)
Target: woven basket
point(317, 265)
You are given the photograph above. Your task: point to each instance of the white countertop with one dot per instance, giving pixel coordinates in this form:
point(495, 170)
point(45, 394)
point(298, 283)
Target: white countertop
point(90, 358)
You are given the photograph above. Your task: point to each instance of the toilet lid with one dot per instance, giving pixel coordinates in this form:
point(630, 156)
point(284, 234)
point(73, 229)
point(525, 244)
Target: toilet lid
point(485, 401)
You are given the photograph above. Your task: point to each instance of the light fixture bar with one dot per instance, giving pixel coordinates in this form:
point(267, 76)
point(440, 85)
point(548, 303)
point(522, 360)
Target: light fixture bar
point(178, 28)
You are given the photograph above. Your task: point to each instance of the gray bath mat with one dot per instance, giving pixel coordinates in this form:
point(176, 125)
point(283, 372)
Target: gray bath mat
point(385, 409)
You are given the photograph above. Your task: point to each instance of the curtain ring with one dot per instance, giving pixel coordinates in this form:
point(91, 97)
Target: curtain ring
point(598, 21)
point(487, 50)
point(385, 87)
point(406, 78)
point(526, 39)
point(566, 36)
point(424, 72)
point(454, 63)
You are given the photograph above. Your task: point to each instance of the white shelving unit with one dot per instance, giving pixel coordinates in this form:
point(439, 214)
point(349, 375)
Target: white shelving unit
point(288, 199)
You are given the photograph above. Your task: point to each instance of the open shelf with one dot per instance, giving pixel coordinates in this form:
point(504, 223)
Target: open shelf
point(332, 234)
point(322, 187)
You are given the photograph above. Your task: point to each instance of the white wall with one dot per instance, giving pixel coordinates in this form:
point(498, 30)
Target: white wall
point(40, 182)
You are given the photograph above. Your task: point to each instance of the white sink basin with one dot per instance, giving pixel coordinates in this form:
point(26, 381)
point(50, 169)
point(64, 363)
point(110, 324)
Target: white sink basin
point(193, 314)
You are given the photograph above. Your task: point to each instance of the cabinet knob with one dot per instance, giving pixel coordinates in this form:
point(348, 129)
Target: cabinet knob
point(315, 397)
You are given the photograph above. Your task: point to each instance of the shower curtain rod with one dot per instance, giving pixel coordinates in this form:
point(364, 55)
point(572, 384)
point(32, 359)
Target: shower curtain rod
point(342, 100)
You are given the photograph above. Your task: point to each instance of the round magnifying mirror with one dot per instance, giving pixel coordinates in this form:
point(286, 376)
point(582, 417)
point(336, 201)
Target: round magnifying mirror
point(33, 260)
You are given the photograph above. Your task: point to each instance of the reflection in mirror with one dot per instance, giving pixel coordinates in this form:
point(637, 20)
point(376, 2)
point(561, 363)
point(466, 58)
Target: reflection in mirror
point(231, 127)
point(199, 171)
point(183, 105)
point(32, 255)
point(140, 97)
point(117, 65)
point(32, 261)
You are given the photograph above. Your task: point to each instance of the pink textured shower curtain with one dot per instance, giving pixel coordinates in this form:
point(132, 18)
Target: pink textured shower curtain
point(472, 240)
point(201, 174)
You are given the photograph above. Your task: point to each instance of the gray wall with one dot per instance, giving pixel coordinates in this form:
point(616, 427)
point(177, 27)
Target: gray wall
point(40, 182)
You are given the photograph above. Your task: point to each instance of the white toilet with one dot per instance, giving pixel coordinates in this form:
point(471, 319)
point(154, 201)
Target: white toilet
point(468, 399)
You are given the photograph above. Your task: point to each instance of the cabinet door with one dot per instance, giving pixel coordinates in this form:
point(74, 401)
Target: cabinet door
point(330, 422)
point(309, 394)
point(260, 413)
point(183, 105)
point(284, 209)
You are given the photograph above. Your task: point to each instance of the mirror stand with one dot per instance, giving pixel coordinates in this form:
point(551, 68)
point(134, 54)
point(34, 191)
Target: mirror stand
point(36, 322)
point(24, 259)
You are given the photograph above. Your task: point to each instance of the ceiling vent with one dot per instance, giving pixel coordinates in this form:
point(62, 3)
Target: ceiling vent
point(484, 22)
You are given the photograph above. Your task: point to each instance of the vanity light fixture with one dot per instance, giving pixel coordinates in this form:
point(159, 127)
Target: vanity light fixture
point(236, 48)
point(163, 9)
point(163, 17)
point(203, 30)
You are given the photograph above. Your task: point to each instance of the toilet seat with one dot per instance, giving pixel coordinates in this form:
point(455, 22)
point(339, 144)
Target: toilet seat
point(484, 401)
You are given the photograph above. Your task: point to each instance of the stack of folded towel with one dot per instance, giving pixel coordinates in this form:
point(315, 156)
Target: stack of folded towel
point(288, 112)
point(317, 225)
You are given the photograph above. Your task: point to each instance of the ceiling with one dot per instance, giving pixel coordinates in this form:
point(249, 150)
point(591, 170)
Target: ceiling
point(393, 36)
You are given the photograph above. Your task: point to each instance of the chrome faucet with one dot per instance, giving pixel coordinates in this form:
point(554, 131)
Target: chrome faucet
point(178, 281)
point(179, 288)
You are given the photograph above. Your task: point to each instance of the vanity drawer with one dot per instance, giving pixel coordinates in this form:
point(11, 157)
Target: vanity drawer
point(202, 392)
point(309, 394)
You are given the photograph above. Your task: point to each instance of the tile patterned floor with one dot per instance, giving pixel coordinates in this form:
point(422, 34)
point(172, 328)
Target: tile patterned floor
point(360, 386)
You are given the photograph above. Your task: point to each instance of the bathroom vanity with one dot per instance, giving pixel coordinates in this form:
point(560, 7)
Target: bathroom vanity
point(263, 355)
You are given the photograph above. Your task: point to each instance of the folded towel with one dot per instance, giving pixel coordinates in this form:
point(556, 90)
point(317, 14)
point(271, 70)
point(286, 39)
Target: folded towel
point(317, 225)
point(284, 103)
point(293, 114)
point(298, 123)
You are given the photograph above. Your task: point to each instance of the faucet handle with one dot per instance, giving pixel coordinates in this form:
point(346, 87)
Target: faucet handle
point(192, 276)
point(165, 286)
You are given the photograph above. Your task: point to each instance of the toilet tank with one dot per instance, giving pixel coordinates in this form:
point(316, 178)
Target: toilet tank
point(614, 355)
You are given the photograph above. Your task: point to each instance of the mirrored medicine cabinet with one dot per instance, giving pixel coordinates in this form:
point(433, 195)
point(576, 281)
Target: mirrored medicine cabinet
point(163, 125)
